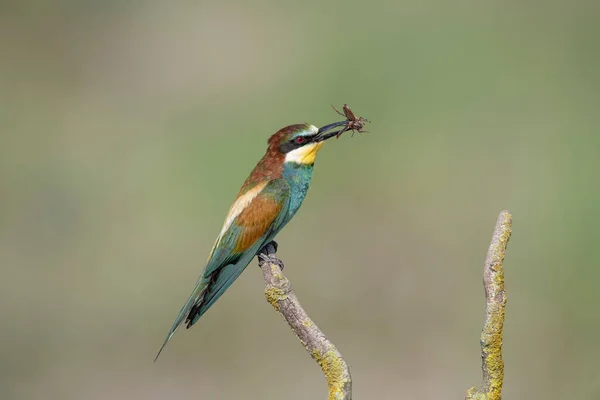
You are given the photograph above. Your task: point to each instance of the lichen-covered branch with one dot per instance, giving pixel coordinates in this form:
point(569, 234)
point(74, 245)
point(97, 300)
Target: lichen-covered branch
point(491, 335)
point(280, 295)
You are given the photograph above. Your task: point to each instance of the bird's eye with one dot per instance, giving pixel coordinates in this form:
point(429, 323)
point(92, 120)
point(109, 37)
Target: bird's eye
point(300, 139)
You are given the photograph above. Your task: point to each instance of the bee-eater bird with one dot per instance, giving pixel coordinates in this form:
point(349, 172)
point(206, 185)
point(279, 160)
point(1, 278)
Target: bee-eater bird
point(267, 201)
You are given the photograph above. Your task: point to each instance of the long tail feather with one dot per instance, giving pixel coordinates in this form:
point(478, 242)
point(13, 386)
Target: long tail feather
point(185, 310)
point(169, 336)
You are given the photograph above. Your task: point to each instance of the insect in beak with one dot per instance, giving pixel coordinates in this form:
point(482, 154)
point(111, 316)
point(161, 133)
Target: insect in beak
point(353, 123)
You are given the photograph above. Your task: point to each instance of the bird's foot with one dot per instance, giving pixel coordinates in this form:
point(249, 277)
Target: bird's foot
point(269, 254)
point(271, 247)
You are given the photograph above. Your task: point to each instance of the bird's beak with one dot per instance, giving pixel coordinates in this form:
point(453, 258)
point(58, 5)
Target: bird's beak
point(324, 132)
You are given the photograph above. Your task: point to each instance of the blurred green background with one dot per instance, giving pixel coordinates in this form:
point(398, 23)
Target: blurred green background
point(127, 129)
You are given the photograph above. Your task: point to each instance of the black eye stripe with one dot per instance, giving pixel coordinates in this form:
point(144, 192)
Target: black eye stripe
point(293, 144)
point(287, 147)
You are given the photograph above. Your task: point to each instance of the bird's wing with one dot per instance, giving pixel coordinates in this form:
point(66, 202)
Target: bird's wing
point(253, 219)
point(252, 215)
point(240, 240)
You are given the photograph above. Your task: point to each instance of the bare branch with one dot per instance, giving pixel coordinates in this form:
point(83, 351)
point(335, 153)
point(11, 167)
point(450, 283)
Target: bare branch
point(491, 335)
point(280, 295)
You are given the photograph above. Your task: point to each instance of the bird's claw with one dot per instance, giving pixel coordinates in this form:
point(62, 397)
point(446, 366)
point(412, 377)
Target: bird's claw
point(269, 254)
point(270, 259)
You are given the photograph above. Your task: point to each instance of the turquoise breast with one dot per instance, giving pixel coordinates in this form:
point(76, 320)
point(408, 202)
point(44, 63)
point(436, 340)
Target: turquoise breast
point(298, 176)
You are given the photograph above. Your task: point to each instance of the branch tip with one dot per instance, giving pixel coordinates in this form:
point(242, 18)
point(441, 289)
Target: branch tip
point(492, 333)
point(280, 295)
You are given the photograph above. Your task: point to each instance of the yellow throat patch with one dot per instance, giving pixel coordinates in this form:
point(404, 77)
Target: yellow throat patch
point(305, 154)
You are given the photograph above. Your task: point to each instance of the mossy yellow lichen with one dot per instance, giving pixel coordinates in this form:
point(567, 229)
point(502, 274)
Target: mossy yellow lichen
point(494, 364)
point(277, 275)
point(333, 366)
point(473, 394)
point(274, 296)
point(307, 323)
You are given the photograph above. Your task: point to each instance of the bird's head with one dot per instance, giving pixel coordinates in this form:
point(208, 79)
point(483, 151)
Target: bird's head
point(301, 143)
